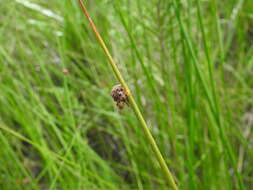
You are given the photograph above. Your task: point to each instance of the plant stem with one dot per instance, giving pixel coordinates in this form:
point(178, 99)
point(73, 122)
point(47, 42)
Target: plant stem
point(151, 140)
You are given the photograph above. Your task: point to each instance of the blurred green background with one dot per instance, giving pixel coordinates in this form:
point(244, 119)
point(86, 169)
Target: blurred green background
point(189, 64)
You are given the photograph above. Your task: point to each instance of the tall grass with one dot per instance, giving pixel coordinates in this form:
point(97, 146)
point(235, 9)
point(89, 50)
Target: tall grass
point(189, 64)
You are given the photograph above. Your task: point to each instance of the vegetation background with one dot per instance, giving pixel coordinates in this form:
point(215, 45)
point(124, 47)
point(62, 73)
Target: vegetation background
point(189, 64)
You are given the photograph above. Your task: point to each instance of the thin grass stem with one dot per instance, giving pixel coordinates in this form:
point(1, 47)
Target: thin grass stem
point(147, 133)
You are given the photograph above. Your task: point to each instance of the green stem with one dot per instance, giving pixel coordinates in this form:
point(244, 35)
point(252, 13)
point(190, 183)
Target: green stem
point(151, 140)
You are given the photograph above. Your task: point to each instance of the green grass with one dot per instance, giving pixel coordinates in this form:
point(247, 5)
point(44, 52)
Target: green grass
point(189, 65)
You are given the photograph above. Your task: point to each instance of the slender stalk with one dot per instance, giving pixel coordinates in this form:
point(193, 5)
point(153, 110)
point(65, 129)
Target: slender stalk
point(151, 140)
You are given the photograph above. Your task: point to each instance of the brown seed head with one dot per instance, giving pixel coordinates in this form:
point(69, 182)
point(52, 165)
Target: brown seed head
point(119, 95)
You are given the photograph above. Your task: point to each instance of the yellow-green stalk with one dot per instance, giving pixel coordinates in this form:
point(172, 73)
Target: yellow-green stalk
point(151, 140)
